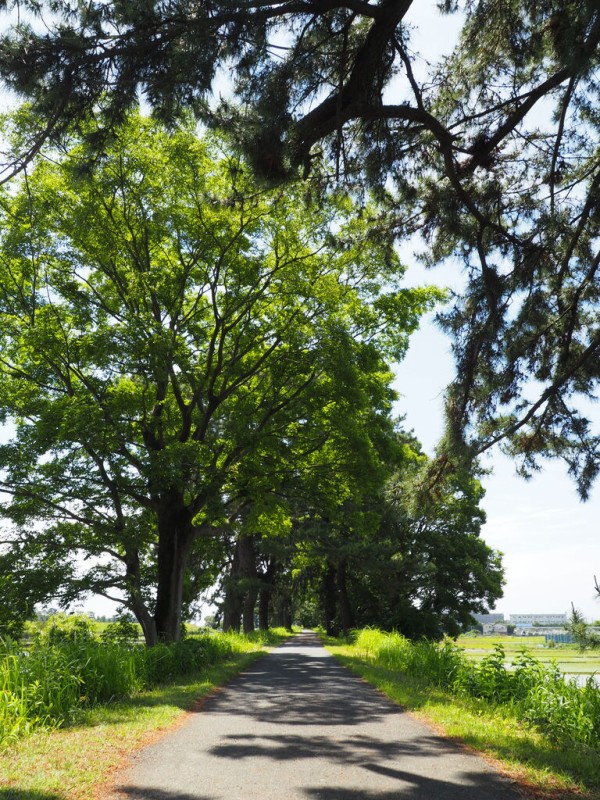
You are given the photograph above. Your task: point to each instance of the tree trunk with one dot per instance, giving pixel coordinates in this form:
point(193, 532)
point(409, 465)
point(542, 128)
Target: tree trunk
point(248, 609)
point(175, 535)
point(232, 604)
point(265, 593)
point(135, 601)
point(264, 601)
point(147, 623)
point(287, 614)
point(232, 614)
point(346, 616)
point(329, 604)
point(282, 607)
point(249, 575)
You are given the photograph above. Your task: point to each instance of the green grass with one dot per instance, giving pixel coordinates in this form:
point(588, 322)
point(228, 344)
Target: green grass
point(48, 682)
point(545, 767)
point(77, 761)
point(568, 658)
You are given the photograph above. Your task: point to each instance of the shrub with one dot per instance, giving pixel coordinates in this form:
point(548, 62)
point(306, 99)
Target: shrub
point(68, 628)
point(122, 632)
point(158, 664)
point(536, 693)
point(66, 668)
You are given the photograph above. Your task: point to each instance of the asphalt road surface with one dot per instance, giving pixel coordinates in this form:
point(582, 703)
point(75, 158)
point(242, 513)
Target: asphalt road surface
point(297, 725)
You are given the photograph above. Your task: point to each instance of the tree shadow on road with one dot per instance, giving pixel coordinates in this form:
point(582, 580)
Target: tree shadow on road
point(379, 757)
point(473, 786)
point(140, 793)
point(293, 690)
point(350, 750)
point(514, 745)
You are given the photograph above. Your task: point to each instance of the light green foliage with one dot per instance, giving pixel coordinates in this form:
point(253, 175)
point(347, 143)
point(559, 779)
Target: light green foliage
point(54, 679)
point(418, 659)
point(491, 154)
point(121, 632)
point(534, 692)
point(175, 339)
point(63, 628)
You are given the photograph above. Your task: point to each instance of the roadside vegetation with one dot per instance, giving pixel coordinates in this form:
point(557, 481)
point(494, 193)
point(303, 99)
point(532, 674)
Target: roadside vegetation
point(65, 670)
point(542, 727)
point(570, 658)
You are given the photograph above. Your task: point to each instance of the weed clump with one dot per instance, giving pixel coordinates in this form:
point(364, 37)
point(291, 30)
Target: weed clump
point(66, 668)
point(536, 693)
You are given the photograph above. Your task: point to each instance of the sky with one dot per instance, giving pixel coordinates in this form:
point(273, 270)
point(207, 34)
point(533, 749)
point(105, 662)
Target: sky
point(549, 538)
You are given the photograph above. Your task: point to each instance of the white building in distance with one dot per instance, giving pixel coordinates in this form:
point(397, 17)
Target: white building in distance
point(491, 628)
point(538, 619)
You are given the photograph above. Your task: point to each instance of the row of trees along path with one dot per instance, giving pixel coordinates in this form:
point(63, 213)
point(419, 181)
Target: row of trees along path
point(298, 725)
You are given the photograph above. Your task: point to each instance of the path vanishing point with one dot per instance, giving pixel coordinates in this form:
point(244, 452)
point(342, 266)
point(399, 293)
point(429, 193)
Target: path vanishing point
point(297, 725)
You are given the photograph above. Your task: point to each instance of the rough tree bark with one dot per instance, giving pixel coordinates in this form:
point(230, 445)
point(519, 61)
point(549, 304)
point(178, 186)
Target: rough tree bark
point(346, 615)
point(135, 601)
point(329, 599)
point(175, 536)
point(248, 573)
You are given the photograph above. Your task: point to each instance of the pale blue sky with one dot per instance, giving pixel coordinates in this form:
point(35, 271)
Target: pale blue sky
point(550, 539)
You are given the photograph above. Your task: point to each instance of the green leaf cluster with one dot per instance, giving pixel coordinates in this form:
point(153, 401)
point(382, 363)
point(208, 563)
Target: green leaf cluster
point(177, 342)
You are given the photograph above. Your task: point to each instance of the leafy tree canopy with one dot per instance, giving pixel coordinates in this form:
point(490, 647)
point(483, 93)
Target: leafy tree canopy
point(440, 570)
point(401, 556)
point(492, 154)
point(168, 332)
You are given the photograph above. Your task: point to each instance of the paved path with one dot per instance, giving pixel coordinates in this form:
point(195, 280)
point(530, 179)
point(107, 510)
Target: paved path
point(298, 726)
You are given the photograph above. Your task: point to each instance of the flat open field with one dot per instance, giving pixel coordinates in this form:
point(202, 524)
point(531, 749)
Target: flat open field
point(569, 658)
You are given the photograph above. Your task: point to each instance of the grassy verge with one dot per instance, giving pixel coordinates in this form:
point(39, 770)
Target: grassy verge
point(543, 768)
point(78, 762)
point(569, 658)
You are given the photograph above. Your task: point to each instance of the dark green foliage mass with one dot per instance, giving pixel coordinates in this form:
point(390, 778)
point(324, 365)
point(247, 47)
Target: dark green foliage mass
point(28, 575)
point(492, 155)
point(431, 569)
point(406, 556)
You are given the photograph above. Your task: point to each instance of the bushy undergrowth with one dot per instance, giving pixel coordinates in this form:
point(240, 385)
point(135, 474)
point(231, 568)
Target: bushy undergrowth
point(64, 669)
point(536, 693)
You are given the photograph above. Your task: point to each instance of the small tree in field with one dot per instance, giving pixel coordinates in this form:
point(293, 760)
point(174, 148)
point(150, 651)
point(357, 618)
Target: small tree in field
point(580, 630)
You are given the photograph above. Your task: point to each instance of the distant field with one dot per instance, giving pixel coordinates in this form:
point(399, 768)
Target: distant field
point(100, 627)
point(569, 658)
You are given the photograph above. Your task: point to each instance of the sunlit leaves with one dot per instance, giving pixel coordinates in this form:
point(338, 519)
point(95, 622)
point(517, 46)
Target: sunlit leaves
point(175, 337)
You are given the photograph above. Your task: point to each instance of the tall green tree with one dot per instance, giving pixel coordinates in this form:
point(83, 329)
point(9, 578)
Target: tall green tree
point(492, 154)
point(325, 467)
point(29, 574)
point(439, 571)
point(407, 556)
point(165, 325)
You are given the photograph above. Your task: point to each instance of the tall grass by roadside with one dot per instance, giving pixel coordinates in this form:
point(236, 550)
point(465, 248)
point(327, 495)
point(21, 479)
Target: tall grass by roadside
point(48, 682)
point(534, 692)
point(78, 762)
